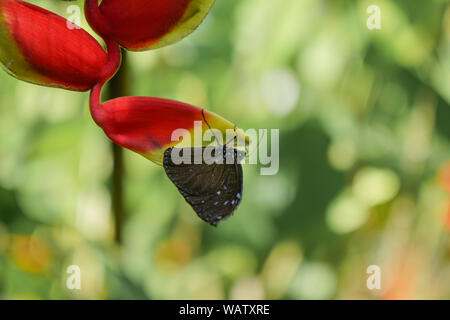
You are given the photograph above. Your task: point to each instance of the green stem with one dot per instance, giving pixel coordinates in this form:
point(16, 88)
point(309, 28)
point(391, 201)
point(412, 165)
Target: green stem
point(118, 87)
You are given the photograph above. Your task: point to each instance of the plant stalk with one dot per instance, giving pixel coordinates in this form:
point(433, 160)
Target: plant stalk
point(118, 87)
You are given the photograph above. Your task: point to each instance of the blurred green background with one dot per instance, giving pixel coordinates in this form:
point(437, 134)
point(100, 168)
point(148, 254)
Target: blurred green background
point(364, 119)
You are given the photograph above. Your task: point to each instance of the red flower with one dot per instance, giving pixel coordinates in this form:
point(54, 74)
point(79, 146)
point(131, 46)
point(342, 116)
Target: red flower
point(141, 124)
point(38, 46)
point(41, 47)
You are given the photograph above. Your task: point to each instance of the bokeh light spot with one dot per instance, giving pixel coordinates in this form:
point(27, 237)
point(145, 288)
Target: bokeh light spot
point(346, 214)
point(375, 186)
point(280, 91)
point(313, 281)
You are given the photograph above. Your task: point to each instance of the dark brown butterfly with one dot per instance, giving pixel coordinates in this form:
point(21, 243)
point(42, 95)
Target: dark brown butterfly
point(212, 187)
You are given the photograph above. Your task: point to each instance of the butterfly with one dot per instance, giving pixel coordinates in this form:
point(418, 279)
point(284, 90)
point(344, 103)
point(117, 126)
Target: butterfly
point(213, 187)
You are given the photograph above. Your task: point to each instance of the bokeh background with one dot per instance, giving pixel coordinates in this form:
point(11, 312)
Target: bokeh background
point(364, 119)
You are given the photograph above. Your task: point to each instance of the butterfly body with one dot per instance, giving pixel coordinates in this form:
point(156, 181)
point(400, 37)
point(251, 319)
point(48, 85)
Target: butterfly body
point(213, 184)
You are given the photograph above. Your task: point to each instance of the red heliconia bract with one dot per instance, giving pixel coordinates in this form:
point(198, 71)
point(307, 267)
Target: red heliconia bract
point(145, 124)
point(148, 24)
point(142, 124)
point(41, 47)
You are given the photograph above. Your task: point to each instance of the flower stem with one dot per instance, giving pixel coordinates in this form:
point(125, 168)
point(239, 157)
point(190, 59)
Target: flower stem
point(117, 192)
point(118, 87)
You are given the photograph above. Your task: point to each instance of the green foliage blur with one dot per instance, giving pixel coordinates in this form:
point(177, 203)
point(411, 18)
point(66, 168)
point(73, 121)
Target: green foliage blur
point(364, 119)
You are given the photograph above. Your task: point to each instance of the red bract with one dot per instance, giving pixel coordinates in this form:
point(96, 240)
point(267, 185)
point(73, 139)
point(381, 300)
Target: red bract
point(149, 24)
point(141, 124)
point(145, 125)
point(37, 46)
point(41, 47)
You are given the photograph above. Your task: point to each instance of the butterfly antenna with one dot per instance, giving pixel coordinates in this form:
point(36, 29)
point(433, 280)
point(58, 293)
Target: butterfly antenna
point(259, 142)
point(204, 119)
point(235, 135)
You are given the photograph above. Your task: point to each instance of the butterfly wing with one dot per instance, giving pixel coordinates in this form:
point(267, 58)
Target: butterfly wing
point(214, 190)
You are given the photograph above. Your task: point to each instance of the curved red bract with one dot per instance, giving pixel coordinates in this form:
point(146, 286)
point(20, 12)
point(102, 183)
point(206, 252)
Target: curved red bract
point(147, 24)
point(41, 47)
point(59, 56)
point(144, 124)
point(138, 22)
